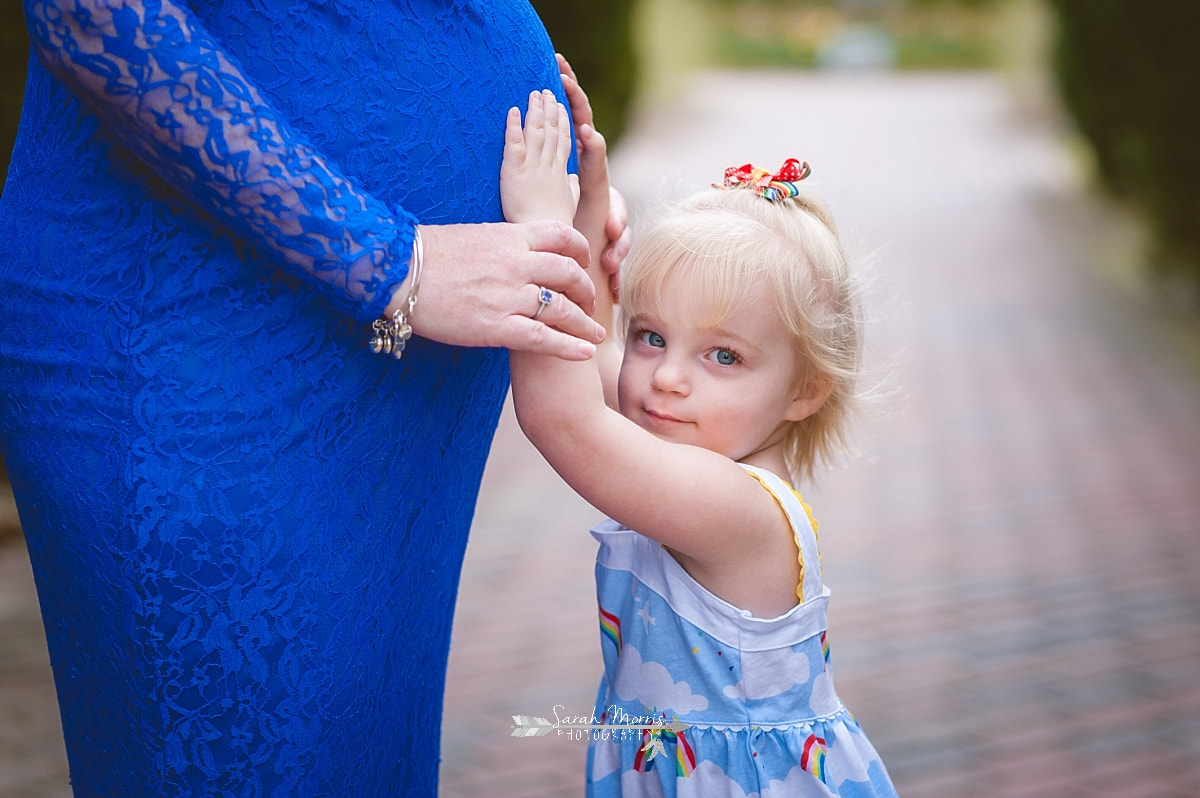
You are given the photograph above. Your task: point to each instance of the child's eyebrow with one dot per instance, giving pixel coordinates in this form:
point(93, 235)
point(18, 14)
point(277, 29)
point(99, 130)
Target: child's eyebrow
point(643, 318)
point(727, 333)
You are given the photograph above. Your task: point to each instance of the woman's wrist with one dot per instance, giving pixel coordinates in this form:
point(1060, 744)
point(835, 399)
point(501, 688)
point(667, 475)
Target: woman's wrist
point(392, 331)
point(402, 289)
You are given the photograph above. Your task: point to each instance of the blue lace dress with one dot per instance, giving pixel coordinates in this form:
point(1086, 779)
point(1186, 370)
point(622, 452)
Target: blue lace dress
point(756, 694)
point(245, 528)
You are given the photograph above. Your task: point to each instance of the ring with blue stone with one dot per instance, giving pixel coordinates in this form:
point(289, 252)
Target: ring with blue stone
point(545, 297)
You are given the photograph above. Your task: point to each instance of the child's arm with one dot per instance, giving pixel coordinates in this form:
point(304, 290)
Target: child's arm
point(591, 216)
point(699, 503)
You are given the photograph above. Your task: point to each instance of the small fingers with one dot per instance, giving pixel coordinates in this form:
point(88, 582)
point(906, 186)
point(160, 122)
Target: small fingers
point(617, 223)
point(619, 235)
point(514, 138)
point(581, 108)
point(593, 160)
point(592, 144)
point(563, 151)
point(615, 252)
point(614, 287)
point(554, 125)
point(535, 123)
point(564, 66)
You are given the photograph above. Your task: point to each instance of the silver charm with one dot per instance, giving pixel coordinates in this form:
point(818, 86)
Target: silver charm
point(391, 335)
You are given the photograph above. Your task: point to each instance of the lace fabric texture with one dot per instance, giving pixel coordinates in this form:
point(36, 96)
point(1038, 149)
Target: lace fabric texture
point(245, 528)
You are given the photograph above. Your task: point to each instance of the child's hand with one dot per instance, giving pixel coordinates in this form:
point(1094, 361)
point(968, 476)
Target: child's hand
point(591, 216)
point(534, 183)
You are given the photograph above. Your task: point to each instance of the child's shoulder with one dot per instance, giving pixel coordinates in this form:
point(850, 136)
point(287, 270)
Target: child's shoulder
point(804, 528)
point(784, 493)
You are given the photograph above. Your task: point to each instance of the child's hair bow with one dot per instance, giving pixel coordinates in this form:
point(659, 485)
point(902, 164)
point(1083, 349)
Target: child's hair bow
point(772, 187)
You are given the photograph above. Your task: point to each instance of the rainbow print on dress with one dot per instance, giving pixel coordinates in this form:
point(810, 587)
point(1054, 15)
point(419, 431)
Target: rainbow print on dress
point(685, 757)
point(610, 627)
point(813, 758)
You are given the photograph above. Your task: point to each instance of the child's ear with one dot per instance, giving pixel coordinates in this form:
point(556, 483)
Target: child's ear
point(810, 395)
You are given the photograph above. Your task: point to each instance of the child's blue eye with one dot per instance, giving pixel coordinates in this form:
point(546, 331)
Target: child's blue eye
point(725, 357)
point(651, 338)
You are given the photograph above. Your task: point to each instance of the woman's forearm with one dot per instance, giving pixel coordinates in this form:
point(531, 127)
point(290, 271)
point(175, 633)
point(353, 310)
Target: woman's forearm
point(174, 97)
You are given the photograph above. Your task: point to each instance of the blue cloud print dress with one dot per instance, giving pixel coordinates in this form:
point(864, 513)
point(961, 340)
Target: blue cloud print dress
point(756, 694)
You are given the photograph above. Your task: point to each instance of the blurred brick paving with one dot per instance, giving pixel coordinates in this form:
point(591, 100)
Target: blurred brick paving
point(1016, 607)
point(1014, 565)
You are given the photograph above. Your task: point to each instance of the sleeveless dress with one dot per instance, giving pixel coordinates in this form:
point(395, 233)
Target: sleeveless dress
point(756, 695)
point(246, 529)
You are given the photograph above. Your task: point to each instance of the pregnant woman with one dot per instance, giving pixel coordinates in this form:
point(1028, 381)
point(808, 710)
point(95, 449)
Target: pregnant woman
point(245, 525)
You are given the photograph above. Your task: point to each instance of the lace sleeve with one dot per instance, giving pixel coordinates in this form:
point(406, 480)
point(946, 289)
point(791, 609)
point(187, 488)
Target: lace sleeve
point(157, 78)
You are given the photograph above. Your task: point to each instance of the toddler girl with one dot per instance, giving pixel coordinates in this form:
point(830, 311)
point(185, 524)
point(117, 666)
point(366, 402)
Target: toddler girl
point(740, 357)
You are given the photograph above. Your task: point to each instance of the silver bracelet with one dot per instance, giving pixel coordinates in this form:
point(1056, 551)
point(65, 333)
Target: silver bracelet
point(391, 335)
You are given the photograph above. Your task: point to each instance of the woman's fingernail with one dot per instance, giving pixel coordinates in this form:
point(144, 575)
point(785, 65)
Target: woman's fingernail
point(586, 349)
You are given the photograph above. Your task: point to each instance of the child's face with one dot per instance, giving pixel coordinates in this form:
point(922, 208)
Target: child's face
point(730, 388)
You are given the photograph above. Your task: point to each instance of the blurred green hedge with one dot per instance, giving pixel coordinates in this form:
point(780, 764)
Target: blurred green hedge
point(597, 38)
point(14, 54)
point(1128, 73)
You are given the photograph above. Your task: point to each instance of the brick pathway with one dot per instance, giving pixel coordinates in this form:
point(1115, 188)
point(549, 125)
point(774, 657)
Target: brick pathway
point(1016, 610)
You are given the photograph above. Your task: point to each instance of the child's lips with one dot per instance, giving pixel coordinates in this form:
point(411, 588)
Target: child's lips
point(663, 418)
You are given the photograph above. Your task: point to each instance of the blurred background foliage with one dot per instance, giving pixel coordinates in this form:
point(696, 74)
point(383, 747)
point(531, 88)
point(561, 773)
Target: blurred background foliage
point(598, 39)
point(1125, 72)
point(919, 34)
point(1130, 75)
point(14, 50)
point(14, 54)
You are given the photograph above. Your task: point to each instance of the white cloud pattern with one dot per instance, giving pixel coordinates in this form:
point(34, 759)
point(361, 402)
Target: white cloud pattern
point(797, 782)
point(770, 673)
point(824, 699)
point(709, 781)
point(650, 684)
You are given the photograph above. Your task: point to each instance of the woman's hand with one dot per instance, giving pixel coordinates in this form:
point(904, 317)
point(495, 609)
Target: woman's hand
point(480, 285)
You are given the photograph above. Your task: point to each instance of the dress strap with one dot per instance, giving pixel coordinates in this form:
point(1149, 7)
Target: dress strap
point(802, 530)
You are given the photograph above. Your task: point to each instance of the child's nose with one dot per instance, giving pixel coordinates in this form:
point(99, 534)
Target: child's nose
point(670, 376)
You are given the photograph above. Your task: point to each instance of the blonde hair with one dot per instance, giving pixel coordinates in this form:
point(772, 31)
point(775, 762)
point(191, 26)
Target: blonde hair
point(732, 242)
